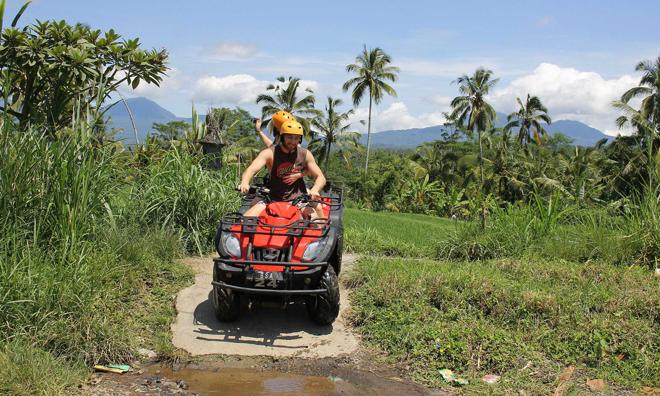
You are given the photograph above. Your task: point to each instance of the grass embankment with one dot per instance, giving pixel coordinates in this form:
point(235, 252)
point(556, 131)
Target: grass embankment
point(89, 238)
point(394, 234)
point(524, 317)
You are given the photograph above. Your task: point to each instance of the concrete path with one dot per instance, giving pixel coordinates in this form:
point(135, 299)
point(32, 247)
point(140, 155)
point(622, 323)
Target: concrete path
point(264, 330)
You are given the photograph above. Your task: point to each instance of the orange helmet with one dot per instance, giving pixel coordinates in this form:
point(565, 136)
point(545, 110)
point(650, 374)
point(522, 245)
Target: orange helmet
point(291, 128)
point(281, 117)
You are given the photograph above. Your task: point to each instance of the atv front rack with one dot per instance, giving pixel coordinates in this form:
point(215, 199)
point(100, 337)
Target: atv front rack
point(274, 292)
point(253, 225)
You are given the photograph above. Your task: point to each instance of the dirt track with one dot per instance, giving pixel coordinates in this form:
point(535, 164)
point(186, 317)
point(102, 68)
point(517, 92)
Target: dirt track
point(267, 351)
point(266, 330)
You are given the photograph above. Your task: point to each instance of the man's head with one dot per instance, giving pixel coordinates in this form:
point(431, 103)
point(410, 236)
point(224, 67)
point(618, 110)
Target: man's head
point(291, 133)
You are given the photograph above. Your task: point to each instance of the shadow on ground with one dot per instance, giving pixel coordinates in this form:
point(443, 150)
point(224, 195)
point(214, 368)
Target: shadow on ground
point(264, 328)
point(260, 323)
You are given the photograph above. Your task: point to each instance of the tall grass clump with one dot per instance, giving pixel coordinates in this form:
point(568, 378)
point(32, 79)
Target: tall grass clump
point(177, 193)
point(52, 192)
point(551, 228)
point(78, 285)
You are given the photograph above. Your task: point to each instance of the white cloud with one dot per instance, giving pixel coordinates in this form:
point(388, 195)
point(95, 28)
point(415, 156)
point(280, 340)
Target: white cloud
point(171, 83)
point(568, 94)
point(302, 85)
point(396, 116)
point(313, 85)
point(231, 89)
point(236, 89)
point(232, 50)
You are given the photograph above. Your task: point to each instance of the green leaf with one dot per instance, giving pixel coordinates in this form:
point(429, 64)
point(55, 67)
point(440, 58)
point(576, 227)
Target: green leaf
point(2, 13)
point(20, 12)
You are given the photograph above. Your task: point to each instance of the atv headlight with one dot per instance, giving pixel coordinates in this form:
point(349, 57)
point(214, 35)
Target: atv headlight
point(313, 249)
point(231, 244)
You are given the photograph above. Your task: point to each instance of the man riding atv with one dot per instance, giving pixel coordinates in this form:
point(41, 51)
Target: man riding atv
point(283, 242)
point(287, 161)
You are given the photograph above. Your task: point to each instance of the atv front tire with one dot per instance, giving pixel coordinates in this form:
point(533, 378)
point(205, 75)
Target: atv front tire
point(324, 308)
point(226, 304)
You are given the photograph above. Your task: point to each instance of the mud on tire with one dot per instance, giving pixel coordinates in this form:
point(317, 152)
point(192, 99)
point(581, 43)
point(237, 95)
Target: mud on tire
point(324, 308)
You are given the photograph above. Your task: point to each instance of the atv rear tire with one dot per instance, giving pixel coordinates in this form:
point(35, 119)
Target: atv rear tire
point(324, 308)
point(226, 304)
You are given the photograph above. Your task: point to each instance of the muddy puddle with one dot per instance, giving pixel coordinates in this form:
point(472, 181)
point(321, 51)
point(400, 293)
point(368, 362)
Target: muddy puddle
point(234, 381)
point(233, 375)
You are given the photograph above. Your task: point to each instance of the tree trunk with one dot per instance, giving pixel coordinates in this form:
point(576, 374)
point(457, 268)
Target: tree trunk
point(481, 170)
point(327, 158)
point(651, 159)
point(130, 115)
point(366, 163)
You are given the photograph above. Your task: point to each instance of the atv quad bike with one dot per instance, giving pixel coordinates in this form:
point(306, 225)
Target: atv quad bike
point(280, 253)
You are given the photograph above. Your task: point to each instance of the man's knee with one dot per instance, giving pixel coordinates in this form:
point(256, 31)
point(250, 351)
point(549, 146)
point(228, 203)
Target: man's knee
point(255, 210)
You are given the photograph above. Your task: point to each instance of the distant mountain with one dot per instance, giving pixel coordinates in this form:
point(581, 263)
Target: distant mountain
point(582, 134)
point(146, 112)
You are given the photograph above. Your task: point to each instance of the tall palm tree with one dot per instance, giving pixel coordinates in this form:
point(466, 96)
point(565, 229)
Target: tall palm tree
point(332, 128)
point(528, 120)
point(471, 111)
point(373, 70)
point(646, 120)
point(285, 95)
point(649, 89)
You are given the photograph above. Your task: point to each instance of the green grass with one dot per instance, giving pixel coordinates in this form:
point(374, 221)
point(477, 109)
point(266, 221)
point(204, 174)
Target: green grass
point(26, 370)
point(572, 233)
point(522, 319)
point(394, 234)
point(115, 298)
point(88, 245)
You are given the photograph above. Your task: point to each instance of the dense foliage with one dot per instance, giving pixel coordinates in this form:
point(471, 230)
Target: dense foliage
point(49, 67)
point(89, 234)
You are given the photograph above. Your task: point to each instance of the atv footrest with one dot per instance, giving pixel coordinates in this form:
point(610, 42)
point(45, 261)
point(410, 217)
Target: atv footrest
point(256, 290)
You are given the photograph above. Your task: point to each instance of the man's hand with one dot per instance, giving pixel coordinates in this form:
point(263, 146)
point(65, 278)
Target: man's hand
point(292, 177)
point(257, 125)
point(244, 187)
point(314, 194)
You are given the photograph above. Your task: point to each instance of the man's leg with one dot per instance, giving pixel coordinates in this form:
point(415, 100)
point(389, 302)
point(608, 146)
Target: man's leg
point(255, 210)
point(313, 211)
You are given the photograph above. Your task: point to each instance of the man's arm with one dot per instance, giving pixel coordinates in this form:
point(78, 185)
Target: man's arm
point(314, 170)
point(256, 165)
point(265, 139)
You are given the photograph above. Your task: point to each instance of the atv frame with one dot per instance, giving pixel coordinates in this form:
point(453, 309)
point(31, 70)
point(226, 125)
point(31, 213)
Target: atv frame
point(265, 271)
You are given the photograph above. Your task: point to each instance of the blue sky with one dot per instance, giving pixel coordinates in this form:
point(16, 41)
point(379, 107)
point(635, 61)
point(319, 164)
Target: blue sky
point(577, 56)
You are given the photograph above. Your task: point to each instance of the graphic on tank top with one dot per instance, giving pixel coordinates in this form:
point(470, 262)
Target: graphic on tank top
point(288, 168)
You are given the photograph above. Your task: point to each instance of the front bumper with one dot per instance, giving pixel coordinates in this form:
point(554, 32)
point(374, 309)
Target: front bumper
point(239, 275)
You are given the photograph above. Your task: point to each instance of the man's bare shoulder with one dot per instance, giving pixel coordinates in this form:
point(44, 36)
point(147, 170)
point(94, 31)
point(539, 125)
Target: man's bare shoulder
point(309, 156)
point(266, 153)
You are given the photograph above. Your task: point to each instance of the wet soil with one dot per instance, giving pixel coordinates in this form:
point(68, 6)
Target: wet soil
point(235, 375)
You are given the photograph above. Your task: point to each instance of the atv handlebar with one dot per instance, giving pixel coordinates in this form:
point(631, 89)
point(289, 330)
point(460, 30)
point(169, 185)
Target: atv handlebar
point(264, 192)
point(259, 191)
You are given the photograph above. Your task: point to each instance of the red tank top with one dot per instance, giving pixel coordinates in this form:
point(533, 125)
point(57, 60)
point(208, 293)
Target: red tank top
point(285, 164)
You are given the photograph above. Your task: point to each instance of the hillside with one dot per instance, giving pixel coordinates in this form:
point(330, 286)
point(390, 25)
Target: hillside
point(146, 112)
point(582, 134)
